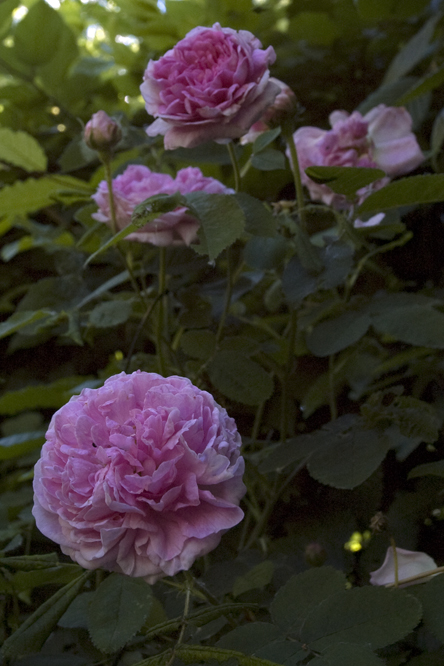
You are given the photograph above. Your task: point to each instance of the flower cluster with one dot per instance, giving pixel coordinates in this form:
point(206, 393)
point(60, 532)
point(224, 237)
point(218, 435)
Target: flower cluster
point(138, 183)
point(140, 476)
point(213, 85)
point(381, 139)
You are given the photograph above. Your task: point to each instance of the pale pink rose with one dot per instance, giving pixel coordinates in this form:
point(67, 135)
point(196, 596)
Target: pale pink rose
point(213, 85)
point(410, 563)
point(283, 107)
point(138, 183)
point(140, 476)
point(102, 132)
point(381, 139)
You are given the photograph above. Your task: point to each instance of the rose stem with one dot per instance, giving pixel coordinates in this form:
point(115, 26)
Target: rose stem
point(287, 372)
point(294, 164)
point(106, 161)
point(395, 561)
point(235, 165)
point(161, 310)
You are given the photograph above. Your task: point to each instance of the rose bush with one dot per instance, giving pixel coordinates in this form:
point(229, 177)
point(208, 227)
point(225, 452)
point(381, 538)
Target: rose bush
point(140, 476)
point(138, 183)
point(382, 138)
point(214, 84)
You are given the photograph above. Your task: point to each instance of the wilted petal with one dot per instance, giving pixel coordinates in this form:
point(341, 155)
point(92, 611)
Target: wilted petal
point(410, 563)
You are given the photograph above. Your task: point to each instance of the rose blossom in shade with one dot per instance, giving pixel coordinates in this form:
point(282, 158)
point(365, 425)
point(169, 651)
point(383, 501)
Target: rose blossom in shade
point(410, 563)
point(102, 132)
point(140, 476)
point(213, 85)
point(381, 139)
point(138, 183)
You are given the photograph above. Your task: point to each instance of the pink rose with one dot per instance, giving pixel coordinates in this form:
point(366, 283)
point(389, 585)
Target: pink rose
point(102, 132)
point(136, 184)
point(140, 476)
point(214, 84)
point(283, 107)
point(381, 139)
point(410, 563)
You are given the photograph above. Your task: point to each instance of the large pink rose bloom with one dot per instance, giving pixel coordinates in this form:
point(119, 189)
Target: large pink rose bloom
point(140, 476)
point(383, 139)
point(138, 183)
point(214, 84)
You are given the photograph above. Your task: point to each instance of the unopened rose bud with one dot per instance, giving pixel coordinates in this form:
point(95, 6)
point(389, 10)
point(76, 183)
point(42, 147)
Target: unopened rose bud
point(315, 554)
point(283, 107)
point(102, 133)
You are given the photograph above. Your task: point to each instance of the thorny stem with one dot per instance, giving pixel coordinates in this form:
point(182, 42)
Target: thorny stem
point(184, 623)
point(235, 164)
point(106, 161)
point(139, 330)
point(227, 301)
point(395, 561)
point(287, 372)
point(294, 164)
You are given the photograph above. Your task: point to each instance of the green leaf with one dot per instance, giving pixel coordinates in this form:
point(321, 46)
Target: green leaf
point(22, 150)
point(58, 575)
point(37, 35)
point(31, 635)
point(20, 444)
point(240, 378)
point(260, 639)
point(347, 654)
point(373, 616)
point(21, 319)
point(350, 457)
point(314, 27)
point(198, 344)
point(432, 469)
point(110, 313)
point(30, 562)
point(268, 160)
point(414, 418)
point(374, 10)
point(416, 49)
point(27, 196)
point(257, 578)
point(430, 595)
point(405, 192)
point(118, 610)
point(419, 325)
point(39, 396)
point(265, 253)
point(198, 619)
point(424, 85)
point(222, 221)
point(264, 139)
point(387, 94)
point(303, 592)
point(333, 335)
point(344, 180)
point(192, 653)
point(259, 221)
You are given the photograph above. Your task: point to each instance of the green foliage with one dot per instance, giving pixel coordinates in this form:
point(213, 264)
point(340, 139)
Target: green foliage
point(117, 611)
point(322, 338)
